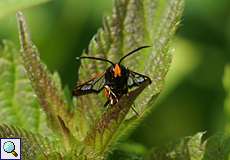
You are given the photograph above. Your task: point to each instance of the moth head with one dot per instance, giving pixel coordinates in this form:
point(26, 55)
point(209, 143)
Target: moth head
point(117, 70)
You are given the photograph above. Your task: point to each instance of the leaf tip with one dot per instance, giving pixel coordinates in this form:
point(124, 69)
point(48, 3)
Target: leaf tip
point(23, 31)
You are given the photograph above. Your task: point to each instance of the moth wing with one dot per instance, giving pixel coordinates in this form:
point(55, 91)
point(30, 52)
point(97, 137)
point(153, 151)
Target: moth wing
point(135, 79)
point(95, 85)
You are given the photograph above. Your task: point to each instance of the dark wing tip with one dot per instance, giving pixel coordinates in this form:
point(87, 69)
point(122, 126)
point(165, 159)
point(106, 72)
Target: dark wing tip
point(75, 92)
point(150, 81)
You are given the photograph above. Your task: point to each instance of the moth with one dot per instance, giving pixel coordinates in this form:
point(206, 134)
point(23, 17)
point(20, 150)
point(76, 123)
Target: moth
point(115, 81)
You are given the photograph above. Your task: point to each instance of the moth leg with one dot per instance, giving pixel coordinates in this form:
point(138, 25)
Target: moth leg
point(134, 110)
point(111, 95)
point(106, 103)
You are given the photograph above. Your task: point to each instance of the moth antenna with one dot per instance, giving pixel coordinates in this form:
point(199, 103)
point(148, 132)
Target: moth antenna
point(133, 52)
point(134, 110)
point(95, 58)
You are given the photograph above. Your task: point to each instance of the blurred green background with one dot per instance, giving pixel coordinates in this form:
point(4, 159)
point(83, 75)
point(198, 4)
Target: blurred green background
point(193, 98)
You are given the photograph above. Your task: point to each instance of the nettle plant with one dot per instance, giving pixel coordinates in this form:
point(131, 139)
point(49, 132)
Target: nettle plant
point(34, 107)
point(82, 128)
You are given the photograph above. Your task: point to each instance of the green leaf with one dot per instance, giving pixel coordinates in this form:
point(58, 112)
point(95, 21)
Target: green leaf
point(101, 135)
point(217, 147)
point(49, 94)
point(189, 148)
point(18, 103)
point(133, 23)
point(11, 6)
point(34, 146)
point(194, 148)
